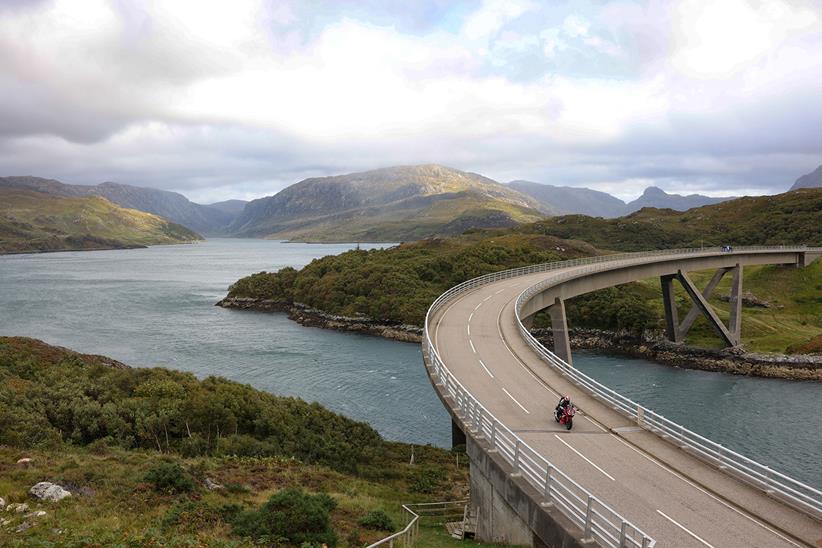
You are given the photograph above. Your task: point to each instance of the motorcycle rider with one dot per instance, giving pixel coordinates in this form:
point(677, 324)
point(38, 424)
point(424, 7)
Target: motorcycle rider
point(564, 402)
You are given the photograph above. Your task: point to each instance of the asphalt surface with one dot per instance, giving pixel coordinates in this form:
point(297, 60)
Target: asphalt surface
point(674, 497)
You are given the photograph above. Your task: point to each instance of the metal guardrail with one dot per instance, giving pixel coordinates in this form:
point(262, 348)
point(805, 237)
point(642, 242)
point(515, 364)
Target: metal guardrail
point(597, 520)
point(802, 496)
point(414, 513)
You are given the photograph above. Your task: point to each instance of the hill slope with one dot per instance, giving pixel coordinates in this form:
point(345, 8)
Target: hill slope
point(397, 285)
point(793, 217)
point(157, 457)
point(656, 197)
point(171, 205)
point(566, 199)
point(391, 204)
point(809, 180)
point(34, 221)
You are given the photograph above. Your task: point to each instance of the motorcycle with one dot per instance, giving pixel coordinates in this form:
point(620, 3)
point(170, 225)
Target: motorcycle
point(565, 416)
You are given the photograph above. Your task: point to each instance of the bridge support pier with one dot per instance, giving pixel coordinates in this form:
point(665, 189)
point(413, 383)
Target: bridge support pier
point(559, 329)
point(457, 435)
point(507, 509)
point(676, 332)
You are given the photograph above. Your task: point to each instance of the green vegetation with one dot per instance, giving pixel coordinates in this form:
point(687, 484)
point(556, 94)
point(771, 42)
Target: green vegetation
point(790, 218)
point(323, 478)
point(394, 204)
point(788, 318)
point(399, 284)
point(33, 221)
point(377, 520)
point(290, 516)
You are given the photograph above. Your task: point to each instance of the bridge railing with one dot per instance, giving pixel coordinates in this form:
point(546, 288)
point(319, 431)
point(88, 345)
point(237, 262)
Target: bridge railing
point(795, 492)
point(415, 513)
point(597, 519)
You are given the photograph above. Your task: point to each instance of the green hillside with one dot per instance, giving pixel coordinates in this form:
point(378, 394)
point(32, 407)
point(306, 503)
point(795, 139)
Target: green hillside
point(398, 284)
point(138, 449)
point(386, 205)
point(33, 221)
point(793, 217)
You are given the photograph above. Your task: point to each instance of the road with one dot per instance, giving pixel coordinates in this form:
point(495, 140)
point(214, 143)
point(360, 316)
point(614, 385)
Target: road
point(674, 497)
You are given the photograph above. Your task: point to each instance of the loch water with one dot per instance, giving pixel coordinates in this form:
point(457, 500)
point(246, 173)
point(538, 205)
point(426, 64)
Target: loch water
point(155, 307)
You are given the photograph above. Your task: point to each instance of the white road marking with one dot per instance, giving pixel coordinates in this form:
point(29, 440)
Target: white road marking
point(471, 317)
point(479, 305)
point(595, 423)
point(501, 290)
point(489, 373)
point(661, 513)
point(515, 401)
point(472, 346)
point(700, 489)
point(607, 475)
point(522, 365)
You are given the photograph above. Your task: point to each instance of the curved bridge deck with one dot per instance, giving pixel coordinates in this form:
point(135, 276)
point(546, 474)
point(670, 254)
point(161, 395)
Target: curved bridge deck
point(675, 497)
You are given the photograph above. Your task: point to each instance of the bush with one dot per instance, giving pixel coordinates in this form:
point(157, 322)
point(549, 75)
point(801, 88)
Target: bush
point(426, 480)
point(291, 516)
point(169, 478)
point(377, 520)
point(192, 516)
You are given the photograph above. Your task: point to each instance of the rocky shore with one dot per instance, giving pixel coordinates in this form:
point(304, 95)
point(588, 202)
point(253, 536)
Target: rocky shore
point(650, 345)
point(312, 317)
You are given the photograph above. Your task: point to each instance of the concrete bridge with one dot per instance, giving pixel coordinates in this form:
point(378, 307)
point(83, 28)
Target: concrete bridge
point(624, 476)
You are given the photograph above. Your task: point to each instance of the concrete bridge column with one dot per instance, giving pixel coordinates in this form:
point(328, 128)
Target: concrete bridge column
point(676, 332)
point(457, 435)
point(671, 318)
point(559, 328)
point(735, 302)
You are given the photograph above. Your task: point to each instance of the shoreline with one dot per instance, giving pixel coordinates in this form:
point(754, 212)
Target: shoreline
point(650, 346)
point(112, 248)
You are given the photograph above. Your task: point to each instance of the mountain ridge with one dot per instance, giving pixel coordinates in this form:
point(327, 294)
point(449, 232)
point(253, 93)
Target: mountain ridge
point(33, 221)
point(171, 205)
point(809, 180)
point(567, 200)
point(387, 204)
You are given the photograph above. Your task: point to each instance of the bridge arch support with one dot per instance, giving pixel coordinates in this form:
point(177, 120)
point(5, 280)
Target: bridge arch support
point(551, 294)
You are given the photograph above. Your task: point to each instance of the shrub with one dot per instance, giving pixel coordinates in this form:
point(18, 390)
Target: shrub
point(426, 480)
point(377, 520)
point(192, 516)
point(290, 516)
point(169, 478)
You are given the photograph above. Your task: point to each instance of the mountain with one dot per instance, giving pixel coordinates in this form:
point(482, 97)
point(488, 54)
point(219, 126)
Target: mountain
point(567, 199)
point(232, 207)
point(811, 180)
point(658, 198)
point(390, 204)
point(789, 218)
point(34, 221)
point(171, 205)
point(562, 200)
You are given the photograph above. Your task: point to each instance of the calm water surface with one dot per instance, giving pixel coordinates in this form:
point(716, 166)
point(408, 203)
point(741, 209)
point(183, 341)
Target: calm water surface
point(154, 306)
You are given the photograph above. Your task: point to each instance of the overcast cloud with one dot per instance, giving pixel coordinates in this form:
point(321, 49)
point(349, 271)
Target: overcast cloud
point(239, 99)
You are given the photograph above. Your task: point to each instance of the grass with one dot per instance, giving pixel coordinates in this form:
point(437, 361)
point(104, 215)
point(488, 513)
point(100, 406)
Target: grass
point(32, 221)
point(792, 321)
point(125, 442)
point(119, 508)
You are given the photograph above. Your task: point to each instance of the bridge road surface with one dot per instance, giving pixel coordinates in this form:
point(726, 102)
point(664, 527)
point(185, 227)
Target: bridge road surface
point(674, 497)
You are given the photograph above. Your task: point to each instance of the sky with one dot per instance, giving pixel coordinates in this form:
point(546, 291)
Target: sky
point(240, 99)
